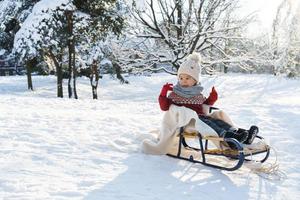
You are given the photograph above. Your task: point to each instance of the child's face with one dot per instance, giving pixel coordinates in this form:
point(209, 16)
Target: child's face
point(186, 80)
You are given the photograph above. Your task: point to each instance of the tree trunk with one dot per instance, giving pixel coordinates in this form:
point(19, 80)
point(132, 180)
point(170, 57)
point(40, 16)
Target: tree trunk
point(94, 78)
point(177, 50)
point(118, 71)
point(58, 66)
point(29, 79)
point(74, 84)
point(226, 50)
point(71, 49)
point(74, 69)
point(59, 74)
point(179, 19)
point(29, 65)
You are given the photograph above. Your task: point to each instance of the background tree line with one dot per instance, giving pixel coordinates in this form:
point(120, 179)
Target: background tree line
point(72, 37)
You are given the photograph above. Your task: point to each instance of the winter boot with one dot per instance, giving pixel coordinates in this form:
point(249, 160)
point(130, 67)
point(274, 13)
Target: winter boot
point(253, 131)
point(241, 136)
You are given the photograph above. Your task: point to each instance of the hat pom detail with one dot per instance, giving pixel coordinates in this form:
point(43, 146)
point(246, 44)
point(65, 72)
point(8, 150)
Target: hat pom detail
point(195, 57)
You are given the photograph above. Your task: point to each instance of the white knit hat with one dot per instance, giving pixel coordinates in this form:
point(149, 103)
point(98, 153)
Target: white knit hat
point(191, 66)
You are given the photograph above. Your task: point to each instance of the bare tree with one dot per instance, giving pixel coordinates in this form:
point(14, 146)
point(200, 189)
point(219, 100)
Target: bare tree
point(293, 63)
point(181, 27)
point(285, 39)
point(276, 28)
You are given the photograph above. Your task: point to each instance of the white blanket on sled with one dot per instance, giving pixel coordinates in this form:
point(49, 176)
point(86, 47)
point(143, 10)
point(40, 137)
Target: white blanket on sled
point(174, 118)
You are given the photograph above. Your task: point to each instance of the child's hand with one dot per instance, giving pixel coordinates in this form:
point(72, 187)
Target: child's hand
point(213, 96)
point(166, 88)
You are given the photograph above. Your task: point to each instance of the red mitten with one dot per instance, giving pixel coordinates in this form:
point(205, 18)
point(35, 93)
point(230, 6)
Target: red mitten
point(213, 97)
point(165, 89)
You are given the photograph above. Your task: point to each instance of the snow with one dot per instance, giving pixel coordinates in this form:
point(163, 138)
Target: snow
point(2, 52)
point(29, 35)
point(8, 9)
point(53, 148)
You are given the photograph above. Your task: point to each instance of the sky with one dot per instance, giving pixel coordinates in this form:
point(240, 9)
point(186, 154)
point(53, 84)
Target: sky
point(266, 12)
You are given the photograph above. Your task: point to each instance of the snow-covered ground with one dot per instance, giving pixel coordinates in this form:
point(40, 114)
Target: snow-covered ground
point(52, 148)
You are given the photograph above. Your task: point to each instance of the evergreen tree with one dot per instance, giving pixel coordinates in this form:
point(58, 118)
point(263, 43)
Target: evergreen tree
point(48, 32)
point(13, 13)
point(104, 17)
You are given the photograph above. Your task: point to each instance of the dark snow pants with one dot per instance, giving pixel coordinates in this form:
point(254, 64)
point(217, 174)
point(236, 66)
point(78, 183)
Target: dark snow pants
point(218, 125)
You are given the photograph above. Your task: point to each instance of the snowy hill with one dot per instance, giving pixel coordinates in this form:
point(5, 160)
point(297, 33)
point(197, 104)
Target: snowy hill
point(53, 148)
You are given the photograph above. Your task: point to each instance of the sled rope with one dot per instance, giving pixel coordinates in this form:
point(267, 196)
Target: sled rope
point(268, 171)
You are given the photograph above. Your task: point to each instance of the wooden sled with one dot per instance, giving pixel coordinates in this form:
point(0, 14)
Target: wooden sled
point(237, 153)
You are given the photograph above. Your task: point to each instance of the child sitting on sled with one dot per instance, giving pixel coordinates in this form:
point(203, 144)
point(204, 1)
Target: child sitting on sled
point(188, 92)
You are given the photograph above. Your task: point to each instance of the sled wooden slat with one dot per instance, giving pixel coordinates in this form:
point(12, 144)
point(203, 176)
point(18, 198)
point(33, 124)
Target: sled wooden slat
point(190, 134)
point(232, 152)
point(248, 151)
point(222, 152)
point(196, 135)
point(213, 138)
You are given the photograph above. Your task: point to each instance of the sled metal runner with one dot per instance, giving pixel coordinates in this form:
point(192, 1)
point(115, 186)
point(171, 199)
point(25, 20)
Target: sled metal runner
point(238, 154)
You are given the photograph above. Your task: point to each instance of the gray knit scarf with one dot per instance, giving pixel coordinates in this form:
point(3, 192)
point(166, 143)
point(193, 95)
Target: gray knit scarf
point(188, 92)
